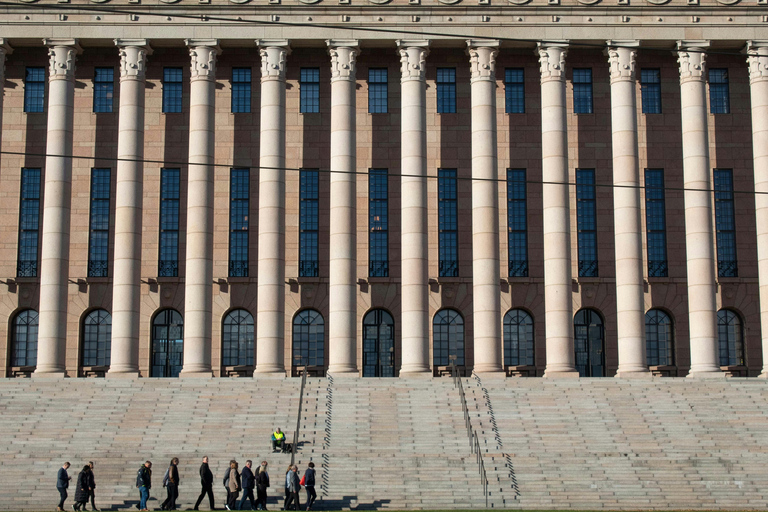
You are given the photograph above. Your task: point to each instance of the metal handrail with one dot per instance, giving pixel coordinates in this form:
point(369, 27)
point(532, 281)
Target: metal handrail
point(298, 416)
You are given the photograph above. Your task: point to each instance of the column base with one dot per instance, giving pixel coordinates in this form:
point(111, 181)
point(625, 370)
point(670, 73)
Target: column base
point(195, 374)
point(634, 375)
point(718, 375)
point(487, 368)
point(560, 375)
point(763, 375)
point(121, 375)
point(49, 375)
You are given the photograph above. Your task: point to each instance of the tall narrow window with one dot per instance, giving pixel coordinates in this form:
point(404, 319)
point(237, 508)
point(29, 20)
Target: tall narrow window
point(725, 224)
point(34, 90)
point(656, 223)
point(103, 89)
point(309, 90)
point(308, 338)
point(29, 223)
point(98, 242)
point(448, 338)
point(308, 224)
point(97, 338)
point(446, 90)
point(172, 92)
point(24, 339)
point(518, 338)
point(448, 223)
point(169, 223)
point(517, 223)
point(514, 88)
point(582, 90)
point(586, 218)
point(237, 339)
point(378, 224)
point(377, 90)
point(239, 203)
point(650, 90)
point(659, 338)
point(718, 91)
point(730, 337)
point(241, 90)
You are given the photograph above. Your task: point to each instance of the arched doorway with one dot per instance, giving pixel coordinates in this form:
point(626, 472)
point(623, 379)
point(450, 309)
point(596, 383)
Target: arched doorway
point(589, 343)
point(167, 344)
point(378, 344)
point(97, 339)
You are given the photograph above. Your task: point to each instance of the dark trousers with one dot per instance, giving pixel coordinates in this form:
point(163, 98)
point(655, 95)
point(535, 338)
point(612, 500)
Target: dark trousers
point(311, 496)
point(247, 495)
point(261, 497)
point(173, 493)
point(292, 498)
point(93, 500)
point(63, 494)
point(232, 499)
point(207, 489)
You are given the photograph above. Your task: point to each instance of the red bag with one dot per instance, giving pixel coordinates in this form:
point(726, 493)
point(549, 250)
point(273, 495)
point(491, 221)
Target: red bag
point(303, 479)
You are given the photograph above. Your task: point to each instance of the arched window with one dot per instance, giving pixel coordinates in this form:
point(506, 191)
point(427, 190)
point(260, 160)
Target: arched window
point(97, 338)
point(589, 343)
point(659, 338)
point(730, 336)
point(518, 338)
point(167, 344)
point(308, 338)
point(237, 339)
point(378, 344)
point(448, 337)
point(24, 339)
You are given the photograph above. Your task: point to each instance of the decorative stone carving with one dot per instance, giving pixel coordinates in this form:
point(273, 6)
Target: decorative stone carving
point(274, 54)
point(5, 49)
point(202, 53)
point(757, 58)
point(482, 59)
point(552, 60)
point(621, 60)
point(692, 59)
point(343, 54)
point(133, 58)
point(413, 56)
point(61, 58)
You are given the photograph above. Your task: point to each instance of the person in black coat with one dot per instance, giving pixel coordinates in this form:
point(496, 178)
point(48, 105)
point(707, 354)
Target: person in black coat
point(92, 487)
point(206, 480)
point(262, 482)
point(62, 482)
point(309, 483)
point(82, 491)
point(248, 480)
point(172, 485)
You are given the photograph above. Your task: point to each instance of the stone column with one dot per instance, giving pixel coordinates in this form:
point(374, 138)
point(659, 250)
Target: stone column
point(558, 302)
point(126, 286)
point(342, 290)
point(486, 300)
point(198, 279)
point(414, 280)
point(630, 302)
point(270, 322)
point(699, 242)
point(757, 58)
point(54, 268)
point(5, 49)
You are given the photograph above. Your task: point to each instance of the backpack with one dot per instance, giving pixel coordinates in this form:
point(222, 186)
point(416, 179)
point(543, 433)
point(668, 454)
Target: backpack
point(139, 482)
point(226, 479)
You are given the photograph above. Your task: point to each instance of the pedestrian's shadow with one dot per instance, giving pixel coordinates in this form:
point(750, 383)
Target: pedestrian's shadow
point(131, 505)
point(348, 502)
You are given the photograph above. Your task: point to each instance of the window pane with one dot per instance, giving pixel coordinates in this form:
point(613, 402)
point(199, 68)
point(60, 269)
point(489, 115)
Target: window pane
point(308, 224)
point(377, 90)
point(309, 90)
point(241, 90)
point(518, 338)
point(730, 338)
point(655, 223)
point(725, 224)
point(378, 223)
point(34, 90)
point(308, 339)
point(29, 223)
point(24, 339)
point(239, 206)
point(446, 90)
point(97, 338)
point(718, 91)
point(448, 223)
point(582, 90)
point(586, 219)
point(103, 88)
point(172, 91)
point(98, 243)
point(517, 225)
point(514, 85)
point(448, 337)
point(659, 338)
point(237, 339)
point(169, 223)
point(650, 90)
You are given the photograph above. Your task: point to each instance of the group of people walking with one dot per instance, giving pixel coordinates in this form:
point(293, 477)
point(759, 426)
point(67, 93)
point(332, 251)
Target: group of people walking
point(85, 487)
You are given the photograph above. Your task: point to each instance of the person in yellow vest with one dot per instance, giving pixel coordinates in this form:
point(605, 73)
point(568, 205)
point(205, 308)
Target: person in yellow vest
point(278, 439)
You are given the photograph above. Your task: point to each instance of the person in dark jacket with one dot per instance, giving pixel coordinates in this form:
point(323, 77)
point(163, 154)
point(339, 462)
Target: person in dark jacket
point(62, 483)
point(206, 480)
point(309, 483)
point(262, 482)
point(172, 484)
point(92, 488)
point(249, 482)
point(81, 491)
point(144, 483)
point(292, 488)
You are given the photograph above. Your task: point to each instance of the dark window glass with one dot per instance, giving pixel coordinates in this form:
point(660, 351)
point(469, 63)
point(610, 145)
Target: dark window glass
point(514, 86)
point(309, 90)
point(377, 90)
point(650, 90)
point(34, 90)
point(308, 224)
point(103, 89)
point(518, 338)
point(517, 223)
point(167, 344)
point(24, 339)
point(730, 337)
point(237, 339)
point(448, 337)
point(308, 339)
point(239, 207)
point(446, 90)
point(169, 223)
point(588, 342)
point(586, 219)
point(656, 223)
point(241, 90)
point(658, 338)
point(29, 223)
point(97, 338)
point(378, 224)
point(98, 242)
point(725, 224)
point(582, 90)
point(172, 93)
point(448, 223)
point(718, 91)
point(378, 344)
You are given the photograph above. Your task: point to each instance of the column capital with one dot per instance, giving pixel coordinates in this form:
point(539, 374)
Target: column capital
point(692, 59)
point(133, 58)
point(5, 49)
point(413, 56)
point(552, 60)
point(343, 54)
point(621, 60)
point(61, 58)
point(757, 58)
point(202, 53)
point(482, 59)
point(274, 53)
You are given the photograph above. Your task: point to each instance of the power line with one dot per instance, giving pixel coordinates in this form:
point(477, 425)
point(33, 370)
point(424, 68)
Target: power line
point(166, 163)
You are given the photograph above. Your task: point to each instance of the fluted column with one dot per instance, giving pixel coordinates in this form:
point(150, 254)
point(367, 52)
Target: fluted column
point(198, 279)
point(699, 242)
point(413, 219)
point(270, 327)
point(558, 303)
point(126, 286)
point(54, 268)
point(5, 49)
point(757, 58)
point(486, 300)
point(342, 290)
point(630, 303)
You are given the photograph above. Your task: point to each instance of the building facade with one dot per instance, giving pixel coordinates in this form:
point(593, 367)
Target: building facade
point(558, 188)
